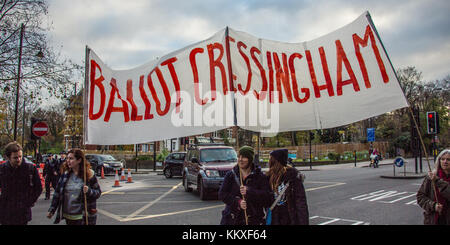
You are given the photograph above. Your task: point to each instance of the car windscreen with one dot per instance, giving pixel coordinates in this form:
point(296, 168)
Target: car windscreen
point(178, 156)
point(107, 158)
point(218, 155)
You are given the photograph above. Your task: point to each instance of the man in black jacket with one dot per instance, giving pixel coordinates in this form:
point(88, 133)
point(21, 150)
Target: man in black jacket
point(20, 187)
point(51, 174)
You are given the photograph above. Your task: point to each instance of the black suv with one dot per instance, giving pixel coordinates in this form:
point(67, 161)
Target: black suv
point(205, 167)
point(173, 164)
point(109, 163)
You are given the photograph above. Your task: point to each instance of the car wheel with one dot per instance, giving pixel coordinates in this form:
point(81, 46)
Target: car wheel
point(201, 190)
point(168, 173)
point(186, 184)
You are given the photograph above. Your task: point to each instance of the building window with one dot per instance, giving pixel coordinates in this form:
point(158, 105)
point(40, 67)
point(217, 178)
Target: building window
point(230, 133)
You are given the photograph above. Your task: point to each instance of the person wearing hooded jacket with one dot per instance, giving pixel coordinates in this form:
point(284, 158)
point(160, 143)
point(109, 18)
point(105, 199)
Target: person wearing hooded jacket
point(292, 207)
point(436, 212)
point(253, 196)
point(68, 200)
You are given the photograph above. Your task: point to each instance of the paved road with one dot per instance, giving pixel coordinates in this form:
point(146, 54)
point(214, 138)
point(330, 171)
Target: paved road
point(337, 195)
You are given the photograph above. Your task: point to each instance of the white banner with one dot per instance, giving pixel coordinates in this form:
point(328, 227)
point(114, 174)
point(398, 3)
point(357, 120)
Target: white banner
point(331, 81)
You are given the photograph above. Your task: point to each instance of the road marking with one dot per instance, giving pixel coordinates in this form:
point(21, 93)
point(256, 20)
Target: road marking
point(401, 198)
point(414, 202)
point(378, 196)
point(329, 222)
point(111, 215)
point(134, 193)
point(326, 186)
point(152, 202)
point(172, 213)
point(147, 202)
point(386, 195)
point(136, 215)
point(333, 220)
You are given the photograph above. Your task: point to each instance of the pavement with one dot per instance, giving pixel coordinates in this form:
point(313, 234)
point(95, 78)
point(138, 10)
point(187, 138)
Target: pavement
point(399, 173)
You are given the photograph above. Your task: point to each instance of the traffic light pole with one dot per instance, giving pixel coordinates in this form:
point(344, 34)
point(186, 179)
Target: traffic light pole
point(424, 149)
point(310, 152)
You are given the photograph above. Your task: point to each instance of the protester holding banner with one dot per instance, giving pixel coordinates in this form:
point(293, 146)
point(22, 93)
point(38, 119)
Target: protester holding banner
point(245, 197)
point(434, 198)
point(76, 190)
point(291, 207)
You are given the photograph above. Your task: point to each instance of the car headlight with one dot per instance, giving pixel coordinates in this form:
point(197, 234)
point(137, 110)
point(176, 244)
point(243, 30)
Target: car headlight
point(105, 165)
point(212, 173)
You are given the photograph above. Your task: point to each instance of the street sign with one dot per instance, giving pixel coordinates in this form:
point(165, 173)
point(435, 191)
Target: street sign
point(40, 129)
point(399, 161)
point(371, 134)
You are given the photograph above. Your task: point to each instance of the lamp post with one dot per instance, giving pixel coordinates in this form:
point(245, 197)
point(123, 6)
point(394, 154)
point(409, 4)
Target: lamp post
point(22, 29)
point(19, 71)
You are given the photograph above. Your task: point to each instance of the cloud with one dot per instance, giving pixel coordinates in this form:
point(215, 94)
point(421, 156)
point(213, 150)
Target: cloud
point(129, 33)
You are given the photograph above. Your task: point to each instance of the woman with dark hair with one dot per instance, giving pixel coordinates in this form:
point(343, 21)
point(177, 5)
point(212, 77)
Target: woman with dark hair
point(72, 192)
point(290, 206)
point(245, 191)
point(434, 194)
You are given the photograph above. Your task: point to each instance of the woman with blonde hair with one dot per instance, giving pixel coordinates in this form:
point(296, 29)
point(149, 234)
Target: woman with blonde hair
point(434, 194)
point(290, 206)
point(76, 188)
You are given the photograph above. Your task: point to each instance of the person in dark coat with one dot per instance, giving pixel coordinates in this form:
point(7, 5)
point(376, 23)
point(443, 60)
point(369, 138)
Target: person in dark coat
point(253, 196)
point(68, 200)
point(435, 202)
point(51, 175)
point(292, 207)
point(20, 187)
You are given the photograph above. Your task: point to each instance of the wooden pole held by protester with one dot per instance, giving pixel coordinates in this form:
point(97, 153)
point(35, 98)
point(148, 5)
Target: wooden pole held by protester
point(243, 196)
point(424, 150)
point(85, 200)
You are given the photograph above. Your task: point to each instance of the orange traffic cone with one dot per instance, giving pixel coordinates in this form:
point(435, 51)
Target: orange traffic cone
point(122, 175)
point(41, 176)
point(116, 181)
point(130, 180)
point(103, 173)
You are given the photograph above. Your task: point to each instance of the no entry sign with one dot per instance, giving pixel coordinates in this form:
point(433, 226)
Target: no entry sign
point(40, 129)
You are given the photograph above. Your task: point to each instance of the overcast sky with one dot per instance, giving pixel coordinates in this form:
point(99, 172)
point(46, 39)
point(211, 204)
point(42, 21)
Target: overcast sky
point(129, 33)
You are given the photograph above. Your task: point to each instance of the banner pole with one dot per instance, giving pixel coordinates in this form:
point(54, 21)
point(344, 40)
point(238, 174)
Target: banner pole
point(425, 151)
point(243, 196)
point(231, 83)
point(369, 18)
point(85, 94)
point(420, 137)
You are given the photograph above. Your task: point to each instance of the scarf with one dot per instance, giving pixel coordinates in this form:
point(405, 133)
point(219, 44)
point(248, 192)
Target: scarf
point(441, 174)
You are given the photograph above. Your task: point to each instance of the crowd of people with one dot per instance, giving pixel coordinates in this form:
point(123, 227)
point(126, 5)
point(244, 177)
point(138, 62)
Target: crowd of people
point(252, 197)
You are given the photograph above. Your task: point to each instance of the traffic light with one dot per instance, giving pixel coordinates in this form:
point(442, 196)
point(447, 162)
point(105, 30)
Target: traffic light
point(432, 122)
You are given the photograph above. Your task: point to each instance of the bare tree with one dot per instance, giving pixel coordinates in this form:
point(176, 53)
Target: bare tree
point(42, 66)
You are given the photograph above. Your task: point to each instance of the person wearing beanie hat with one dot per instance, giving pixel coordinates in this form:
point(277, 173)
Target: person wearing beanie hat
point(280, 155)
point(252, 196)
point(248, 152)
point(286, 182)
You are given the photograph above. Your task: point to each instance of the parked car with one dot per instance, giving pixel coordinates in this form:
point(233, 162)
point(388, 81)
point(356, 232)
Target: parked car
point(108, 162)
point(29, 159)
point(205, 167)
point(173, 164)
